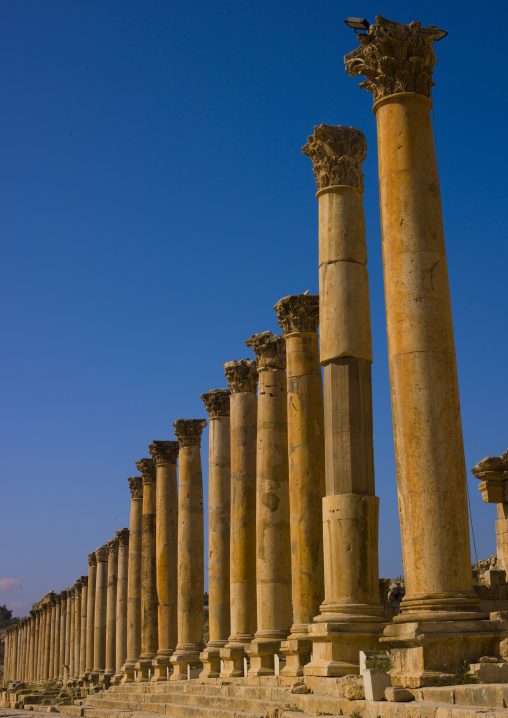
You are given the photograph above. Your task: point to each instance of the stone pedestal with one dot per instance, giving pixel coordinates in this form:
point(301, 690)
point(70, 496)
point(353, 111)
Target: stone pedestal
point(149, 638)
point(110, 667)
point(185, 660)
point(165, 455)
point(242, 379)
point(440, 623)
point(299, 317)
point(121, 604)
point(351, 616)
point(217, 404)
point(273, 549)
point(134, 580)
point(83, 637)
point(90, 616)
point(101, 602)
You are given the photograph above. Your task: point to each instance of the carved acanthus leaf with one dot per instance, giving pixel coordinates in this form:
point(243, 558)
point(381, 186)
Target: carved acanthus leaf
point(136, 487)
point(112, 546)
point(147, 468)
point(217, 402)
point(92, 559)
point(189, 431)
point(270, 350)
point(395, 58)
point(164, 452)
point(242, 375)
point(337, 153)
point(102, 553)
point(123, 537)
point(84, 581)
point(298, 313)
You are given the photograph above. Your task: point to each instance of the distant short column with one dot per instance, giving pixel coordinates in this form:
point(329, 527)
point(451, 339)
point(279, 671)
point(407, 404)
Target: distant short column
point(134, 580)
point(165, 455)
point(56, 642)
point(121, 604)
point(82, 636)
point(32, 647)
point(68, 612)
point(61, 650)
point(109, 671)
point(101, 601)
point(90, 616)
point(77, 627)
point(185, 659)
point(47, 641)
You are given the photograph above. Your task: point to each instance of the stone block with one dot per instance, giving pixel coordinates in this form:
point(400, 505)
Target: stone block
point(490, 672)
point(398, 695)
point(375, 683)
point(351, 687)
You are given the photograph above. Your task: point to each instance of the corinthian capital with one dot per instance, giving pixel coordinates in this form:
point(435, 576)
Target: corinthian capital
point(147, 468)
point(242, 375)
point(84, 581)
point(136, 487)
point(395, 58)
point(189, 431)
point(164, 452)
point(217, 402)
point(298, 313)
point(337, 153)
point(92, 559)
point(102, 553)
point(270, 350)
point(123, 537)
point(112, 546)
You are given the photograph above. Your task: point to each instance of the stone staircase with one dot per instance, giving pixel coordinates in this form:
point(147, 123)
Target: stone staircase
point(268, 699)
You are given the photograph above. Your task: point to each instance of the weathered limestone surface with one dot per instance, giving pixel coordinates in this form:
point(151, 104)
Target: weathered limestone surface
point(217, 404)
point(439, 608)
point(350, 617)
point(299, 317)
point(242, 378)
point(185, 659)
point(273, 546)
point(149, 628)
point(165, 455)
point(122, 536)
point(134, 580)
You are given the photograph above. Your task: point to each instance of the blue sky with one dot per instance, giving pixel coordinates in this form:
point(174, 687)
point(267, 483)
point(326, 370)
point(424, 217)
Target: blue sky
point(155, 205)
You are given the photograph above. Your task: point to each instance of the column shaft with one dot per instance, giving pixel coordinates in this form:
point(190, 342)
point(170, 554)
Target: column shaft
point(61, 657)
point(83, 634)
point(121, 604)
point(90, 615)
point(101, 599)
point(134, 580)
point(111, 609)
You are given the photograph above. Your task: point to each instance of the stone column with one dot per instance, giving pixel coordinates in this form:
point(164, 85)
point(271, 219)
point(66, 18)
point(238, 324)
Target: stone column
point(37, 662)
point(492, 472)
point(51, 669)
point(185, 659)
point(47, 641)
point(109, 672)
point(351, 616)
point(217, 404)
point(165, 455)
point(428, 637)
point(90, 616)
point(27, 649)
point(121, 604)
point(242, 378)
point(101, 602)
point(14, 663)
point(82, 635)
point(31, 667)
point(134, 580)
point(149, 638)
point(56, 644)
point(299, 318)
point(77, 627)
point(61, 650)
point(273, 547)
point(7, 654)
point(71, 608)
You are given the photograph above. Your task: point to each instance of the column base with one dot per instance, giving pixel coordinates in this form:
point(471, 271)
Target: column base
point(336, 645)
point(425, 652)
point(233, 654)
point(186, 664)
point(297, 650)
point(92, 678)
point(128, 673)
point(105, 680)
point(143, 668)
point(262, 653)
point(117, 679)
point(161, 668)
point(211, 658)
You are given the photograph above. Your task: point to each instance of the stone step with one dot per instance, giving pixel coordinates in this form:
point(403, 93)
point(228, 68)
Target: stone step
point(275, 693)
point(490, 695)
point(160, 706)
point(174, 711)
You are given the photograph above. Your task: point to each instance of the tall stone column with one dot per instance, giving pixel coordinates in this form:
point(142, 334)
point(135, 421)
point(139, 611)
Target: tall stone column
point(440, 624)
point(109, 672)
point(31, 669)
point(71, 607)
point(165, 455)
point(7, 654)
point(61, 651)
point(77, 628)
point(52, 614)
point(185, 659)
point(14, 660)
point(47, 641)
point(82, 635)
point(56, 642)
point(242, 379)
point(38, 631)
point(351, 616)
point(217, 404)
point(149, 638)
point(299, 318)
point(121, 603)
point(90, 616)
point(101, 603)
point(273, 547)
point(134, 580)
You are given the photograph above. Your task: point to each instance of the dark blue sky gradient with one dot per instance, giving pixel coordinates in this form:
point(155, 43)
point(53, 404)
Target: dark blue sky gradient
point(155, 205)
